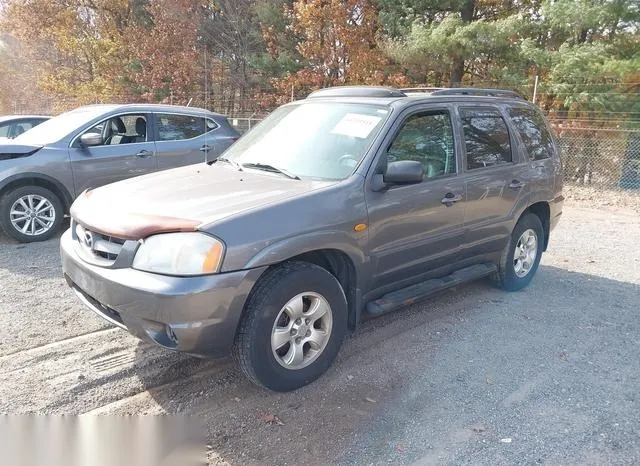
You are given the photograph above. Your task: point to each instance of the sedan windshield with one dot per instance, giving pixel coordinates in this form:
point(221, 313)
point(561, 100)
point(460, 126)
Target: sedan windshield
point(324, 140)
point(56, 128)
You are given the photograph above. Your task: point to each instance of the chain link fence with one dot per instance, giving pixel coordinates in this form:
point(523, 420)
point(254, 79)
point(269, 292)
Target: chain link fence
point(600, 158)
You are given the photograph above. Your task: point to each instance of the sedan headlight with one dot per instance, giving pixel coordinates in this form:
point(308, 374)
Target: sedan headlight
point(179, 254)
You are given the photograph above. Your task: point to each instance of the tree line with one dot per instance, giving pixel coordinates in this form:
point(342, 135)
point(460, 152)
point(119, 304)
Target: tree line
point(244, 57)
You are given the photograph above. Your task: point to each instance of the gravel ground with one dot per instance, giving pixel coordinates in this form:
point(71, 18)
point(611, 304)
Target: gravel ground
point(475, 375)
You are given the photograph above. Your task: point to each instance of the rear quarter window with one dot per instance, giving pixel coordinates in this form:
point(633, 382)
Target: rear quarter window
point(533, 132)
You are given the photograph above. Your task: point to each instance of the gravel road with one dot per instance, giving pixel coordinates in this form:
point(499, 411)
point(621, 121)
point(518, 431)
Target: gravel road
point(548, 375)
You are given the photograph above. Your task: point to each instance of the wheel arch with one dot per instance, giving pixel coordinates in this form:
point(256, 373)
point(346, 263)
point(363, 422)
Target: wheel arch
point(37, 179)
point(339, 264)
point(543, 212)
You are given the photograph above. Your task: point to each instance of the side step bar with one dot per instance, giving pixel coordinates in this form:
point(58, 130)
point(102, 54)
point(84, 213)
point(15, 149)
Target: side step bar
point(411, 294)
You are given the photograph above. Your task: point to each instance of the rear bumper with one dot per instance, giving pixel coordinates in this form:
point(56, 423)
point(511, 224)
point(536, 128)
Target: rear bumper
point(195, 315)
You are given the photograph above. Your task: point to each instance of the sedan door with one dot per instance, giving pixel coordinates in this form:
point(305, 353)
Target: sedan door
point(124, 149)
point(184, 139)
point(418, 228)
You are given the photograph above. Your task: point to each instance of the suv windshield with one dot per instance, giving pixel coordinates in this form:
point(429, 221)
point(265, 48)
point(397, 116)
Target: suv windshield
point(56, 128)
point(323, 140)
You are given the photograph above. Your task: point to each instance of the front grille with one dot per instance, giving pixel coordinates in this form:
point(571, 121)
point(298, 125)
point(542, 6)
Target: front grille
point(97, 245)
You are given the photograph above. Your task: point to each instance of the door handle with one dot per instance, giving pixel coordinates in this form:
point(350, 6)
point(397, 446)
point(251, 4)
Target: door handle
point(205, 148)
point(516, 184)
point(450, 198)
point(144, 154)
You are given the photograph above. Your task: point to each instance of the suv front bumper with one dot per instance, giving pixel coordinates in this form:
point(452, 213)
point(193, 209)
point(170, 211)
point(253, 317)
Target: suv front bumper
point(195, 315)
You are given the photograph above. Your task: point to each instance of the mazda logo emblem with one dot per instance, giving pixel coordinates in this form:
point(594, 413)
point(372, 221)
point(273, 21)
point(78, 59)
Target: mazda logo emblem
point(88, 239)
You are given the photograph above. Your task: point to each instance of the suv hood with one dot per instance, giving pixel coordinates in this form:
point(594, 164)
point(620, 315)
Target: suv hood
point(14, 151)
point(182, 199)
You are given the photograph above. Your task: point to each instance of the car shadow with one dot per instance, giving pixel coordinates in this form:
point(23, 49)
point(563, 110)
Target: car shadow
point(357, 406)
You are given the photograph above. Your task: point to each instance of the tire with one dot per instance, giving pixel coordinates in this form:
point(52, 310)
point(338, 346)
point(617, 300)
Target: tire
point(510, 276)
point(51, 214)
point(273, 366)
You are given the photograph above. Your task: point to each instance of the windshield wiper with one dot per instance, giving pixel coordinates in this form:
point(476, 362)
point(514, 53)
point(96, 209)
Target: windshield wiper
point(232, 162)
point(271, 168)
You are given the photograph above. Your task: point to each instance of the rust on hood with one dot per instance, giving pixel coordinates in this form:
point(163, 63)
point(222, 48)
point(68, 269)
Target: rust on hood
point(126, 225)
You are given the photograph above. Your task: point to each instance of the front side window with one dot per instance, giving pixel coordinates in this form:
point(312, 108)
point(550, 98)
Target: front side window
point(320, 140)
point(121, 129)
point(486, 137)
point(179, 127)
point(21, 127)
point(426, 138)
point(533, 132)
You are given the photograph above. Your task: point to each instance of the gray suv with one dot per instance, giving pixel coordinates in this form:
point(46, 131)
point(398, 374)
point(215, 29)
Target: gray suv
point(43, 170)
point(349, 204)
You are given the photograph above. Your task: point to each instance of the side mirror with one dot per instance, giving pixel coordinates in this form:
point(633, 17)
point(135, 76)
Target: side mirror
point(404, 172)
point(91, 139)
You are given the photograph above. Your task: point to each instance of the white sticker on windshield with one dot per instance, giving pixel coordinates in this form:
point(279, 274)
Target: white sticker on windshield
point(356, 125)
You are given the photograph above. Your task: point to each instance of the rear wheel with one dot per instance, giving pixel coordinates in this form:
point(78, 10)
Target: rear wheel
point(31, 213)
point(522, 255)
point(293, 327)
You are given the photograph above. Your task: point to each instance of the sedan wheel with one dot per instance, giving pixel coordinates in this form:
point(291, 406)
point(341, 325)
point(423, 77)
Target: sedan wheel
point(32, 215)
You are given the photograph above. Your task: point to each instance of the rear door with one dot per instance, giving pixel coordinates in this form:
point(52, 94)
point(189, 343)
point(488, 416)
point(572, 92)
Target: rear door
point(127, 150)
point(494, 175)
point(184, 139)
point(417, 228)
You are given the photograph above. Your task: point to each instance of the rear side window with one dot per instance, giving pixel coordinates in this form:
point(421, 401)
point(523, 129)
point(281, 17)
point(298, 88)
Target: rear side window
point(4, 130)
point(486, 137)
point(533, 132)
point(179, 127)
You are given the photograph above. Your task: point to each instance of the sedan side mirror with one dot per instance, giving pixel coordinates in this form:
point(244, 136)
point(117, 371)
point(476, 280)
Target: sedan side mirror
point(404, 172)
point(91, 139)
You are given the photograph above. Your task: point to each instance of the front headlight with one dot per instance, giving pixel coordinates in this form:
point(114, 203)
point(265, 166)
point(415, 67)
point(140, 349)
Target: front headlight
point(179, 254)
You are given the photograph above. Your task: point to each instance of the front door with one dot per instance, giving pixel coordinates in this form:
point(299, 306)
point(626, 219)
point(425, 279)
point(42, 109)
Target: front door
point(415, 229)
point(125, 151)
point(495, 178)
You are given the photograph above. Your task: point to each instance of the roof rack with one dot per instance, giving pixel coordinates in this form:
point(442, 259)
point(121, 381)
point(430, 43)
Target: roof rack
point(357, 91)
point(464, 91)
point(421, 89)
point(391, 92)
point(478, 92)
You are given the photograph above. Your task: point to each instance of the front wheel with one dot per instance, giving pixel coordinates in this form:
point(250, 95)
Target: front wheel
point(522, 255)
point(292, 328)
point(31, 213)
